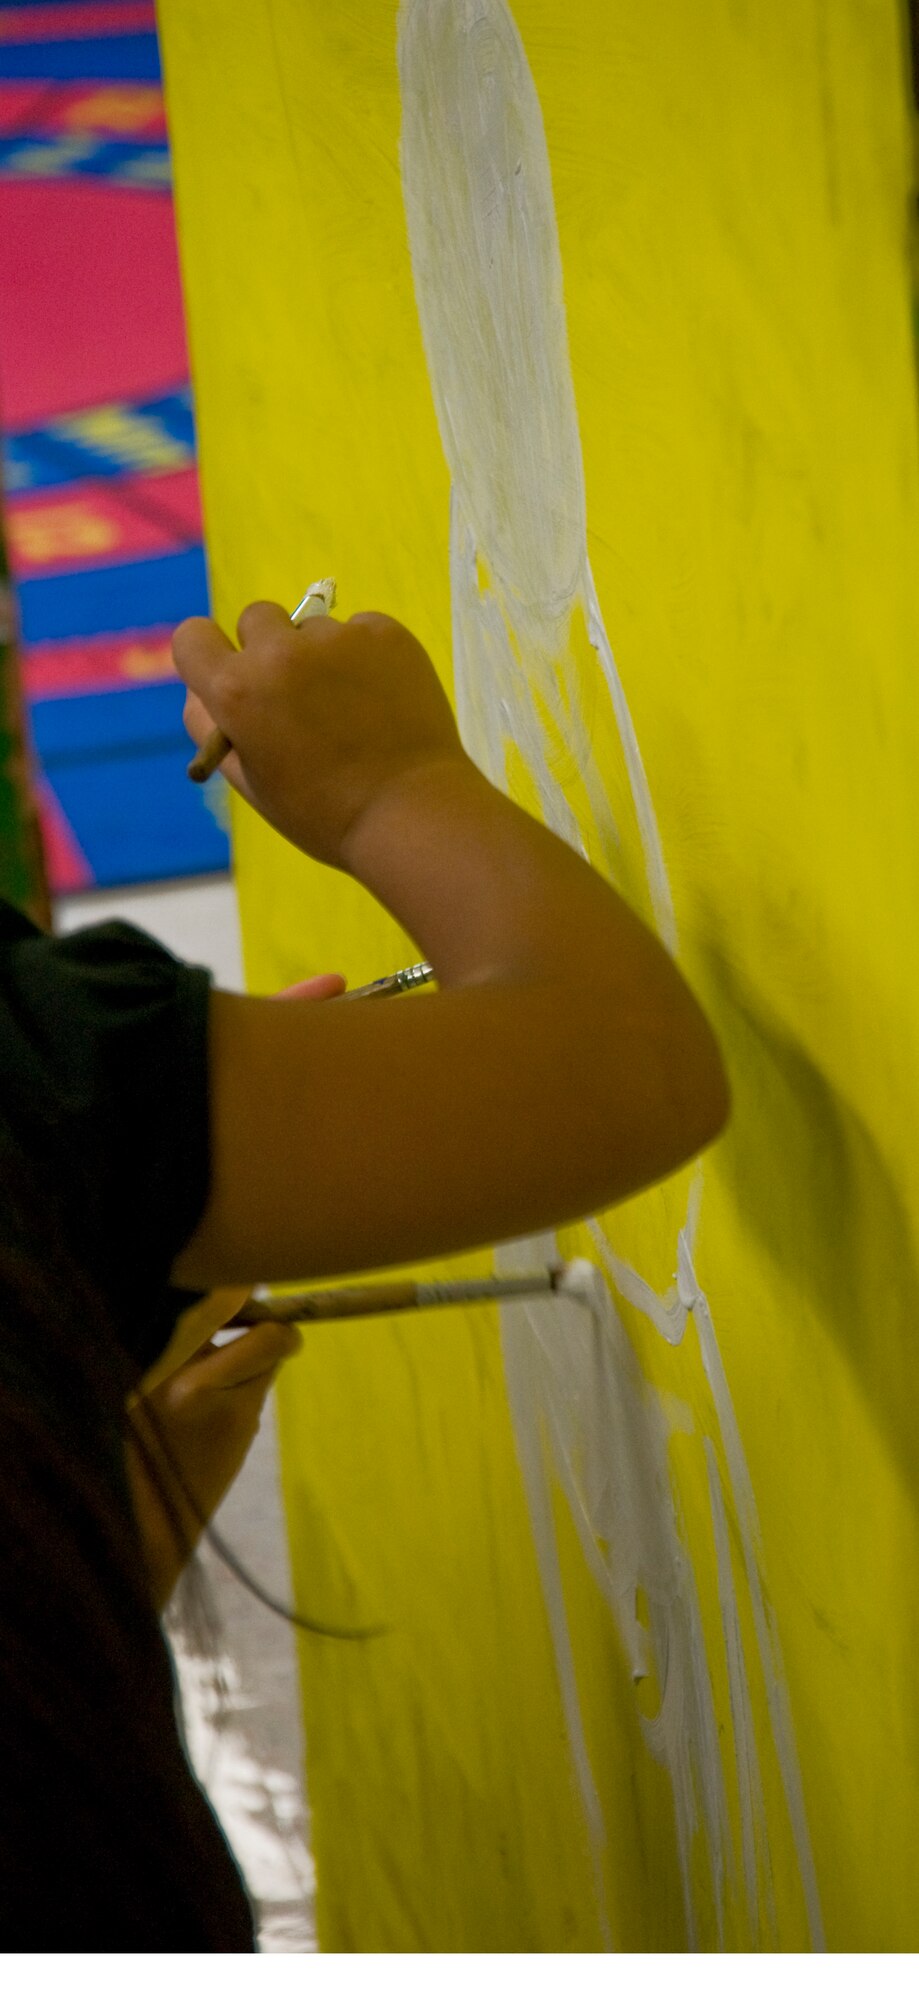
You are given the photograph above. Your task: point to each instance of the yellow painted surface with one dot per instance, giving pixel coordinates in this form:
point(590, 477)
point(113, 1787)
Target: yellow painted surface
point(731, 184)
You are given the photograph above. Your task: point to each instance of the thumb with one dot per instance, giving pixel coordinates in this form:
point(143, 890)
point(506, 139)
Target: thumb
point(256, 1353)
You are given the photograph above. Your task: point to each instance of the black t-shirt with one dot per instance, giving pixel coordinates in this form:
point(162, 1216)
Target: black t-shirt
point(106, 1842)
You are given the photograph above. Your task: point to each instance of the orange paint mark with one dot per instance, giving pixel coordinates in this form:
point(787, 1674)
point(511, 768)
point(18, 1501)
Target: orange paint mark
point(116, 110)
point(147, 663)
point(51, 533)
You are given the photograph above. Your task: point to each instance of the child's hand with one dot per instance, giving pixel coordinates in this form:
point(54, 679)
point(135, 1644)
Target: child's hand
point(197, 1428)
point(197, 1417)
point(324, 717)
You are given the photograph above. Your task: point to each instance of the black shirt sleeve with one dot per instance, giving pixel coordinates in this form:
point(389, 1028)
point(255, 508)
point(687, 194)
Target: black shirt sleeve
point(104, 1088)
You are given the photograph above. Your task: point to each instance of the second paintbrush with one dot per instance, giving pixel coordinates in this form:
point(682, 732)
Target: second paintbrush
point(571, 1281)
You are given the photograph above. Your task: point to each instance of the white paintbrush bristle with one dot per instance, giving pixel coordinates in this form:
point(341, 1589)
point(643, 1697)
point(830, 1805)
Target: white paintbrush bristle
point(579, 1280)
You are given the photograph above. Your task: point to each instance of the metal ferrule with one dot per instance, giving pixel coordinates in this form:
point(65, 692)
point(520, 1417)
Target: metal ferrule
point(413, 975)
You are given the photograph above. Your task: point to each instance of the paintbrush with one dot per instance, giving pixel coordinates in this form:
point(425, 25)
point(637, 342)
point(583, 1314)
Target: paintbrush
point(392, 982)
point(379, 989)
point(571, 1281)
point(317, 603)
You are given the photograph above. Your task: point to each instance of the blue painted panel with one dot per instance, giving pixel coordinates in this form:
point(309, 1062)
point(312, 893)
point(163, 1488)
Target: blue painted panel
point(98, 59)
point(133, 164)
point(159, 590)
point(74, 726)
point(138, 819)
point(49, 457)
point(117, 765)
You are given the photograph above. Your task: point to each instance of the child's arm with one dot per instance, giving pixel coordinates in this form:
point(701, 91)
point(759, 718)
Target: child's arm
point(563, 1065)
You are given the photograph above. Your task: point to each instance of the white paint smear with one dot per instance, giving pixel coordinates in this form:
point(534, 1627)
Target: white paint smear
point(489, 287)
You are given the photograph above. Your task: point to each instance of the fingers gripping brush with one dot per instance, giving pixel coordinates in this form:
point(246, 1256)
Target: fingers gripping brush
point(317, 603)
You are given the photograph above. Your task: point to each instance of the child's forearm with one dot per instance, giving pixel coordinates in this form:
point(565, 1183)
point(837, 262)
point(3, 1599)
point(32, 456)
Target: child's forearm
point(492, 896)
point(563, 1065)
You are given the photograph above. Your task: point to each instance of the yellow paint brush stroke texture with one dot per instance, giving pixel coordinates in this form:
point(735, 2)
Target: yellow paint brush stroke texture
point(505, 1770)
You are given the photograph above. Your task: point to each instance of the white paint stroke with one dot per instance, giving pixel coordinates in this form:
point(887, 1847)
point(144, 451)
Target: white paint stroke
point(749, 1778)
point(573, 1380)
point(490, 295)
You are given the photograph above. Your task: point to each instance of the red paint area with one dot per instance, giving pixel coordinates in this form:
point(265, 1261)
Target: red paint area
point(76, 23)
point(98, 666)
point(90, 302)
point(96, 522)
point(68, 868)
point(19, 104)
point(107, 110)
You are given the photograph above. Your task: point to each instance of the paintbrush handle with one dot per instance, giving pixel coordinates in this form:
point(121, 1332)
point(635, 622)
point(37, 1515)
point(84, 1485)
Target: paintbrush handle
point(353, 1302)
point(212, 752)
point(363, 1301)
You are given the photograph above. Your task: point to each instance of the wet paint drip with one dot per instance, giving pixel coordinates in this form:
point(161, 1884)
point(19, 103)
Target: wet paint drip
point(489, 288)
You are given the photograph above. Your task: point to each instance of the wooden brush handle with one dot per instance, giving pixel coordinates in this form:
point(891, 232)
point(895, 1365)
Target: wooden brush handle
point(212, 752)
point(357, 1302)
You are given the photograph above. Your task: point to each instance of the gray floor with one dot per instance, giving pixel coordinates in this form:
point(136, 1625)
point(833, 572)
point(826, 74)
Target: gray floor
point(236, 1660)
